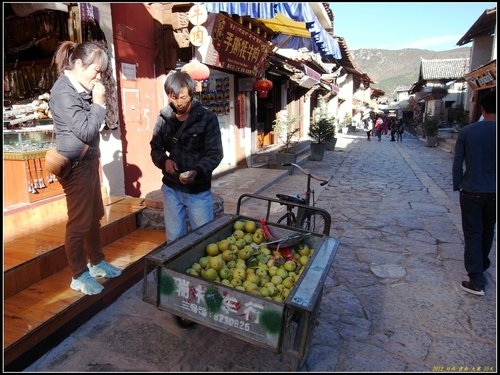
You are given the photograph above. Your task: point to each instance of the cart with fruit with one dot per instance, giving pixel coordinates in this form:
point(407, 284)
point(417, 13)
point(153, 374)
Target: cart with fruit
point(249, 277)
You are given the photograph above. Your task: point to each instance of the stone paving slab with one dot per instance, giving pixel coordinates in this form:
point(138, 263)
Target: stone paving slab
point(390, 303)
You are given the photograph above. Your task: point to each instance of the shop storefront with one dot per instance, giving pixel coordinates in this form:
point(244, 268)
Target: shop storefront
point(481, 80)
point(31, 34)
point(237, 57)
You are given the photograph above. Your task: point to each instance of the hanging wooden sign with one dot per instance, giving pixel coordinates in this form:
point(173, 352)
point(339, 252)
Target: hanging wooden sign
point(198, 36)
point(197, 14)
point(233, 47)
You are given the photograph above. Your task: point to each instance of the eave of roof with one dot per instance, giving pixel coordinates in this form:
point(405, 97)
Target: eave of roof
point(484, 25)
point(347, 62)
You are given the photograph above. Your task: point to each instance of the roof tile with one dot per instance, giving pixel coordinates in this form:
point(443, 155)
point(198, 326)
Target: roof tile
point(444, 68)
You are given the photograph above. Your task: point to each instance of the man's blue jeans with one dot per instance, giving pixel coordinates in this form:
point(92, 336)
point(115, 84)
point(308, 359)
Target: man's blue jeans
point(177, 206)
point(478, 224)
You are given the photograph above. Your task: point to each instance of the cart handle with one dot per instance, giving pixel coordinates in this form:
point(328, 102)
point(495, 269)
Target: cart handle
point(323, 181)
point(325, 214)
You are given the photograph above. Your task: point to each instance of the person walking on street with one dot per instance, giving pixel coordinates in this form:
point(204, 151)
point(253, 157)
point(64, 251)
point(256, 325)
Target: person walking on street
point(385, 125)
point(476, 148)
point(394, 129)
point(401, 130)
point(369, 126)
point(379, 123)
point(187, 146)
point(77, 106)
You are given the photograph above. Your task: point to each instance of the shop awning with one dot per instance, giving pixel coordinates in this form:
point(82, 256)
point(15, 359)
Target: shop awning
point(286, 26)
point(318, 40)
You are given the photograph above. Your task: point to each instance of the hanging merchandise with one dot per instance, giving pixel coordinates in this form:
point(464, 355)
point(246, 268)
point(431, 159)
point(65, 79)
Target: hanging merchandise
point(216, 93)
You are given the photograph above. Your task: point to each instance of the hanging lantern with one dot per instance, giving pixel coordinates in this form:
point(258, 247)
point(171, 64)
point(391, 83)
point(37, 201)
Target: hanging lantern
point(197, 71)
point(263, 86)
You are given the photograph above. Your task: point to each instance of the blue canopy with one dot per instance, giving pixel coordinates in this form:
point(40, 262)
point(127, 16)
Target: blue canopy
point(320, 42)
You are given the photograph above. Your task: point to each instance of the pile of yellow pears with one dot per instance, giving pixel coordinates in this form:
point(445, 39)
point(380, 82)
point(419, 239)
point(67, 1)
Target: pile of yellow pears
point(258, 270)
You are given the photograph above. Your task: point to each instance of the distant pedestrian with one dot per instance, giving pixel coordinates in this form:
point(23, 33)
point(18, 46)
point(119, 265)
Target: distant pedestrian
point(394, 129)
point(385, 125)
point(369, 126)
point(476, 148)
point(378, 127)
point(401, 130)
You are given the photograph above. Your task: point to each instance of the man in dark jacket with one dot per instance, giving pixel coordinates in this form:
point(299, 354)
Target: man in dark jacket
point(476, 147)
point(187, 147)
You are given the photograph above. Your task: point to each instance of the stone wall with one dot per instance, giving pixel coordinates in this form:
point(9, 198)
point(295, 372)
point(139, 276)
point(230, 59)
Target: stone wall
point(447, 140)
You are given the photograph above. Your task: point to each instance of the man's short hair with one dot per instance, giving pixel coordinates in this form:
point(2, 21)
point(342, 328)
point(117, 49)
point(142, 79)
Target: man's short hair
point(177, 80)
point(489, 102)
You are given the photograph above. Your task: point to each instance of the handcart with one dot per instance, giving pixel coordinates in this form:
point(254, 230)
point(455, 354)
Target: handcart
point(283, 327)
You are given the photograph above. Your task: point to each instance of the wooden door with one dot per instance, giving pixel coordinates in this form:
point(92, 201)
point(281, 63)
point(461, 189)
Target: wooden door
point(138, 92)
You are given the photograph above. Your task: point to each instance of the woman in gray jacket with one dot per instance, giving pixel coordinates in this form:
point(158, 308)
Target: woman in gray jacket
point(77, 106)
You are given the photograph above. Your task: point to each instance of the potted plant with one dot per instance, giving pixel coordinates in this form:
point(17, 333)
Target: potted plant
point(330, 145)
point(322, 131)
point(346, 123)
point(285, 131)
point(430, 126)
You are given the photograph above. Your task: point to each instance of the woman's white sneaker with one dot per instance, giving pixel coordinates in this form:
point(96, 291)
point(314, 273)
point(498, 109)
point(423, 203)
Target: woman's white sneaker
point(86, 284)
point(104, 269)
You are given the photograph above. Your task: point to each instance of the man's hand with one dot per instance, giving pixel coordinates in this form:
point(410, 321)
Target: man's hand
point(188, 177)
point(171, 167)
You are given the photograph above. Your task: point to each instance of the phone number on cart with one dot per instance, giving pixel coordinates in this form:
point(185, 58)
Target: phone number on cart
point(236, 323)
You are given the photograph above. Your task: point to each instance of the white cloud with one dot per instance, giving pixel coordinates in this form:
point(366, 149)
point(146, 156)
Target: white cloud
point(434, 43)
point(438, 43)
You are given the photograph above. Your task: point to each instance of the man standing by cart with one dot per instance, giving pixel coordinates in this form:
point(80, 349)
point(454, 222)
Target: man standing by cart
point(187, 147)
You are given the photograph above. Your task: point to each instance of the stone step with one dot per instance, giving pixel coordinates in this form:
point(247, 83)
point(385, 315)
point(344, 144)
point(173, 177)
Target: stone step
point(446, 141)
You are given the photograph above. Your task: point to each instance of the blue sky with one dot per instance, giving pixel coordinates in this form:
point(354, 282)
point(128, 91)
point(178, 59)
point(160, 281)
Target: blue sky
point(432, 26)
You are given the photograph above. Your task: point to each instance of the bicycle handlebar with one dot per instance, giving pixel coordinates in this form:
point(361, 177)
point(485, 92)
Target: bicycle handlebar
point(323, 181)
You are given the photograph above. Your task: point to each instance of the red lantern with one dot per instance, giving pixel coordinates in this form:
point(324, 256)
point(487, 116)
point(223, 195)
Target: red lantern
point(197, 71)
point(263, 86)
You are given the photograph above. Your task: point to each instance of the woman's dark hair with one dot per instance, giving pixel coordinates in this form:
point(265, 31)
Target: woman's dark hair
point(88, 52)
point(176, 81)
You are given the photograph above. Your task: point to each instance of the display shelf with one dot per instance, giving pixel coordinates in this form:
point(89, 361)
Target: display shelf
point(27, 142)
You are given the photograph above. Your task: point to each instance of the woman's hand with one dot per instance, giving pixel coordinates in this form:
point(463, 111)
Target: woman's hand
point(98, 93)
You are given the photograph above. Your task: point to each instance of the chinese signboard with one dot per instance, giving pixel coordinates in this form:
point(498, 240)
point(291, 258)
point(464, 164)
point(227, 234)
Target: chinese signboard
point(233, 47)
point(198, 35)
point(482, 78)
point(252, 318)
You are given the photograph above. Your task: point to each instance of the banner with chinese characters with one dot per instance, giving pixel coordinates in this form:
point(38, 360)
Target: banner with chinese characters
point(233, 47)
point(252, 318)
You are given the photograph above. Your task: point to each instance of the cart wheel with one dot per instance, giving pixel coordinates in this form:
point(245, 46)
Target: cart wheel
point(183, 322)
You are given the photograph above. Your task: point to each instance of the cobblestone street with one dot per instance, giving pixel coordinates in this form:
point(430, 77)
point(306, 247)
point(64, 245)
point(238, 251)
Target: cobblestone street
point(391, 302)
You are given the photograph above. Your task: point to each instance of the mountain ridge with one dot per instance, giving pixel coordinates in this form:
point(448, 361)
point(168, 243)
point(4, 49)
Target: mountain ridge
point(391, 69)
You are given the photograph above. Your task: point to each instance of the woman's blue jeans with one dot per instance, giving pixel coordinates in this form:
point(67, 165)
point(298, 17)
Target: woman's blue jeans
point(179, 206)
